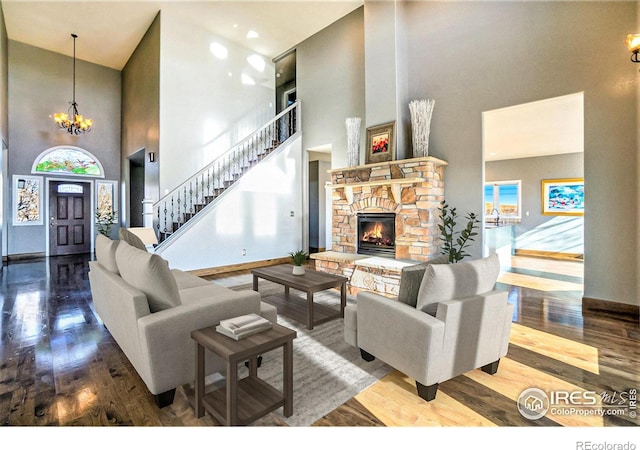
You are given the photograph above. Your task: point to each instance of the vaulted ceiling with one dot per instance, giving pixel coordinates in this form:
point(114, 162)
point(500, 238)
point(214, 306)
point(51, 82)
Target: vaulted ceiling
point(109, 30)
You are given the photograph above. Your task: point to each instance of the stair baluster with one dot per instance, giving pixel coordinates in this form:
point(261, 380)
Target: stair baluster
point(176, 208)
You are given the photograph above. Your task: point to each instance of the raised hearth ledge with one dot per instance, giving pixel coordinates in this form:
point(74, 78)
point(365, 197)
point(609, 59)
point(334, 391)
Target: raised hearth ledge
point(338, 257)
point(375, 262)
point(365, 273)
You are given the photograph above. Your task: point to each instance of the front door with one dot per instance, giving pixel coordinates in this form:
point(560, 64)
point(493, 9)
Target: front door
point(69, 218)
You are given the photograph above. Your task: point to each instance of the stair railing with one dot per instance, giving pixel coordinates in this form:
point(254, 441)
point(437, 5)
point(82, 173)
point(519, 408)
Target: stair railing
point(190, 197)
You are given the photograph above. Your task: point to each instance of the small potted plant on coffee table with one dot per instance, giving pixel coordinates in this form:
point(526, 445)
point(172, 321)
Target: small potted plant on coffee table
point(298, 258)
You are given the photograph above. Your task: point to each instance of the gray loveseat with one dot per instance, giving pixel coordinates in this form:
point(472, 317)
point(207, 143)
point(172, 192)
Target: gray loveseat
point(448, 320)
point(150, 310)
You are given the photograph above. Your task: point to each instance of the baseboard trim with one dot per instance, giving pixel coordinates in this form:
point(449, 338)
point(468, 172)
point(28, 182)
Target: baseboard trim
point(592, 306)
point(579, 257)
point(238, 267)
point(25, 256)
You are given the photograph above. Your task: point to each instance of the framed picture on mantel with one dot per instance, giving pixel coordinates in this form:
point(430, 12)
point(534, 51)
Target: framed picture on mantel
point(381, 143)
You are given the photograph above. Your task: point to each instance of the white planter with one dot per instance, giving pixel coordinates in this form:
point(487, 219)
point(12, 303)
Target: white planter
point(298, 270)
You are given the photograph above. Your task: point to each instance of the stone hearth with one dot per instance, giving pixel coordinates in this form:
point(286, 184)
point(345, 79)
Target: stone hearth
point(413, 189)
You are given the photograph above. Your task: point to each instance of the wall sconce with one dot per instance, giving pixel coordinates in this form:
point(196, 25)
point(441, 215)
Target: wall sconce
point(152, 157)
point(633, 44)
point(21, 183)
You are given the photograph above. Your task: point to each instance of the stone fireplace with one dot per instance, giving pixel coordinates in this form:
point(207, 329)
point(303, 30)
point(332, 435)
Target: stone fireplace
point(411, 191)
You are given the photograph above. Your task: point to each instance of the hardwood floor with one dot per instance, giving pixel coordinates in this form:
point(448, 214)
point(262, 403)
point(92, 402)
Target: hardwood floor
point(552, 347)
point(59, 366)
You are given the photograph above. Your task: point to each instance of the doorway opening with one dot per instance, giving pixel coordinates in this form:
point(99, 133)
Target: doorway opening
point(136, 188)
point(285, 81)
point(528, 147)
point(319, 206)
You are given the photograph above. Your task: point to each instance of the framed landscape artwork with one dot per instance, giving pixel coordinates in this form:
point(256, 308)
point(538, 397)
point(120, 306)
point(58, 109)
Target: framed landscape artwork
point(381, 143)
point(563, 197)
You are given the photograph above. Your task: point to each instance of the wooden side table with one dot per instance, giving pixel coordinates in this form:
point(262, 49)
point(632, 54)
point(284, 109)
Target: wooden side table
point(243, 401)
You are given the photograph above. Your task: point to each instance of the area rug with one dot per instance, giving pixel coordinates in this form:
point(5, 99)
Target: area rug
point(326, 370)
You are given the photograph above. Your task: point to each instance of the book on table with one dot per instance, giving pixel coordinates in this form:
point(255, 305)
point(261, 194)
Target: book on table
point(243, 326)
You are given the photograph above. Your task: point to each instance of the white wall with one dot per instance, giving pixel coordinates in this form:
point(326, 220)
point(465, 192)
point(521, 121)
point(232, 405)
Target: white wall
point(255, 215)
point(204, 110)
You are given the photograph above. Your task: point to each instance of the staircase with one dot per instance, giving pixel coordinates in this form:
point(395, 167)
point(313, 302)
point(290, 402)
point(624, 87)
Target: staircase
point(199, 192)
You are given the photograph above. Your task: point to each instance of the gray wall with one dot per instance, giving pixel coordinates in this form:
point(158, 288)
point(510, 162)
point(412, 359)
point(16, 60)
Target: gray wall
point(386, 71)
point(4, 123)
point(40, 84)
point(473, 57)
point(4, 75)
point(564, 234)
point(330, 84)
point(141, 109)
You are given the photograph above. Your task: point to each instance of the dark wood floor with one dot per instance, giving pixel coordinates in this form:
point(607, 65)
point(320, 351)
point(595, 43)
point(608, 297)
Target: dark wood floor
point(59, 365)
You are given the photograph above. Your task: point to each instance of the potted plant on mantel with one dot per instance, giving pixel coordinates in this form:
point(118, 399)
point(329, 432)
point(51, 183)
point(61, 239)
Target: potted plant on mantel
point(298, 258)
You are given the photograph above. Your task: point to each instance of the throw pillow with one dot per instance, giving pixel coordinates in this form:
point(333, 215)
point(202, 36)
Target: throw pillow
point(411, 278)
point(131, 239)
point(150, 274)
point(449, 281)
point(106, 253)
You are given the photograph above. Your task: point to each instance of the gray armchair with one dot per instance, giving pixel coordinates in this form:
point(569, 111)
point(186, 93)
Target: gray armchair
point(456, 322)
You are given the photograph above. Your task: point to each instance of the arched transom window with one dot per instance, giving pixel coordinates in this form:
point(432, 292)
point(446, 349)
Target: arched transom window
point(69, 161)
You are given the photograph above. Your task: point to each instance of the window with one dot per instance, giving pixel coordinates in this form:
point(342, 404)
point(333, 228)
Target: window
point(70, 189)
point(69, 161)
point(504, 197)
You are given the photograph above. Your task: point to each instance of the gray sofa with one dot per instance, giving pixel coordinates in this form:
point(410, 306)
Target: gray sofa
point(449, 322)
point(150, 310)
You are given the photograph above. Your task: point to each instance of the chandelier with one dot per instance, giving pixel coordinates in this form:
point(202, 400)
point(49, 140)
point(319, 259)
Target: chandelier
point(72, 121)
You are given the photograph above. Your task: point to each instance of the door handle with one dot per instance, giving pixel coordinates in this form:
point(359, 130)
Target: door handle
point(51, 221)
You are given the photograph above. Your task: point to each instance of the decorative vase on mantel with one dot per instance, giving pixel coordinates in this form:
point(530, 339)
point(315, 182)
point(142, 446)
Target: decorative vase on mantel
point(353, 140)
point(421, 111)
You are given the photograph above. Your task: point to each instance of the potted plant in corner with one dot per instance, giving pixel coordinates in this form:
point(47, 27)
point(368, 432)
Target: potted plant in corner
point(298, 258)
point(454, 242)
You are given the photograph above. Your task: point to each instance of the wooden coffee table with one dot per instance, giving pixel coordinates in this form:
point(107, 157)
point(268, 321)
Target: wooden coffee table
point(311, 282)
point(243, 401)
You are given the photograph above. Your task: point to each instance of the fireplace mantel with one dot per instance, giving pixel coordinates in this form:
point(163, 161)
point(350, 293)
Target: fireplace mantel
point(393, 174)
point(400, 162)
point(394, 184)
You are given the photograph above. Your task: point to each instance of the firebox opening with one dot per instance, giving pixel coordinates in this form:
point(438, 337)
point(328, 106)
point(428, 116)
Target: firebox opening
point(377, 234)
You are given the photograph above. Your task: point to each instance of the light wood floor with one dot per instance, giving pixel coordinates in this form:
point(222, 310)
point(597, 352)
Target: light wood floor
point(552, 347)
point(60, 367)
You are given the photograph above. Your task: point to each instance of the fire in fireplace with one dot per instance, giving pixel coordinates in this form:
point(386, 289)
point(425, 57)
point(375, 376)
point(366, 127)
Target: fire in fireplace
point(377, 234)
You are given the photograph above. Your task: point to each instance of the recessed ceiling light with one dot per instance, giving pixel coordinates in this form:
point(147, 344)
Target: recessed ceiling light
point(230, 74)
point(251, 34)
point(246, 79)
point(257, 62)
point(219, 50)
